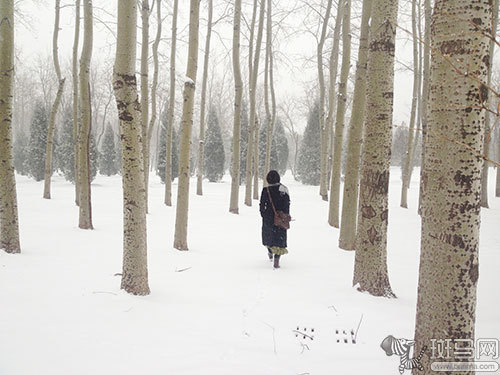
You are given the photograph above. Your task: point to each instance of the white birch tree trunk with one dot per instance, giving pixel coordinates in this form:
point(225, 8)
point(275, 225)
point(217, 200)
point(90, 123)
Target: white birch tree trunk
point(154, 86)
point(425, 91)
point(76, 126)
point(252, 155)
point(135, 269)
point(238, 93)
point(370, 268)
point(145, 91)
point(449, 267)
point(332, 90)
point(171, 108)
point(333, 214)
point(9, 224)
point(57, 101)
point(406, 172)
point(349, 215)
point(181, 218)
point(270, 112)
point(201, 145)
point(85, 217)
point(323, 182)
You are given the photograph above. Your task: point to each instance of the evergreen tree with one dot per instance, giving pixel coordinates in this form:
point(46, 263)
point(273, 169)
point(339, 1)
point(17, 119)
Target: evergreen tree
point(107, 161)
point(64, 152)
point(281, 146)
point(35, 158)
point(20, 153)
point(160, 167)
point(308, 168)
point(262, 151)
point(65, 157)
point(214, 149)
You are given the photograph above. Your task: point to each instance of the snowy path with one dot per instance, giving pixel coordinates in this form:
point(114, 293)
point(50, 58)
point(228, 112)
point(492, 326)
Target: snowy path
point(227, 312)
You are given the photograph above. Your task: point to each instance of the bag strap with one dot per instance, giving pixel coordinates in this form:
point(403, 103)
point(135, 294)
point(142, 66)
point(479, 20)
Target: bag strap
point(271, 199)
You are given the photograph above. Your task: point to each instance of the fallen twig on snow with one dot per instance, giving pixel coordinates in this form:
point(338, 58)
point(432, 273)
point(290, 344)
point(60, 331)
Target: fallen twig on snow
point(183, 269)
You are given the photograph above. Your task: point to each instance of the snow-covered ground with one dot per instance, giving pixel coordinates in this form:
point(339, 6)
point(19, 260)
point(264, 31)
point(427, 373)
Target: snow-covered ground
point(219, 308)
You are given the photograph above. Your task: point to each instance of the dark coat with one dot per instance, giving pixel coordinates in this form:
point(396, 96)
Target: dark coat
point(271, 234)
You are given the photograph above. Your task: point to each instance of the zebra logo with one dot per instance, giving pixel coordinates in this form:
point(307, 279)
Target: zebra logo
point(401, 347)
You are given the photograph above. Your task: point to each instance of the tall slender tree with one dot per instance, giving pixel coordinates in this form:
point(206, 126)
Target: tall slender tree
point(333, 215)
point(181, 217)
point(85, 218)
point(271, 112)
point(135, 269)
point(145, 91)
point(347, 234)
point(76, 125)
point(449, 264)
point(9, 227)
point(238, 93)
point(425, 91)
point(370, 268)
point(252, 128)
point(171, 108)
point(55, 106)
point(406, 175)
point(332, 90)
point(201, 141)
point(323, 183)
point(154, 86)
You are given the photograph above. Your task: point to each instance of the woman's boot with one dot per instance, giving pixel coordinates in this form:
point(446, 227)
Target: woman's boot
point(276, 261)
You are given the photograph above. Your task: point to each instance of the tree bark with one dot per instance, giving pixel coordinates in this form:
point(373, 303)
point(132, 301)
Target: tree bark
point(238, 93)
point(145, 92)
point(406, 175)
point(9, 225)
point(323, 184)
point(85, 219)
point(252, 130)
point(171, 109)
point(347, 234)
point(333, 215)
point(135, 269)
point(370, 268)
point(181, 218)
point(487, 138)
point(201, 148)
point(449, 267)
point(55, 106)
point(76, 126)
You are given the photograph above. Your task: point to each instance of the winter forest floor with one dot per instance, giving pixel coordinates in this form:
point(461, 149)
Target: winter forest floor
point(218, 308)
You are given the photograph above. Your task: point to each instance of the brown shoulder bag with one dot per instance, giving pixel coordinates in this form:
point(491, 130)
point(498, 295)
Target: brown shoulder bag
point(281, 219)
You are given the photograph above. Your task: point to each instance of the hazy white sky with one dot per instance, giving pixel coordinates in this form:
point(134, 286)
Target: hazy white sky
point(295, 70)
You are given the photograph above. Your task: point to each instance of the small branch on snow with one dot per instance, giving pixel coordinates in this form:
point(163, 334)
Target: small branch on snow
point(98, 292)
point(183, 269)
point(332, 307)
point(117, 274)
point(356, 334)
point(274, 338)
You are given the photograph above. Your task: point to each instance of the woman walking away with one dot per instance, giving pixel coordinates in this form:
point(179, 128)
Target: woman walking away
point(274, 237)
